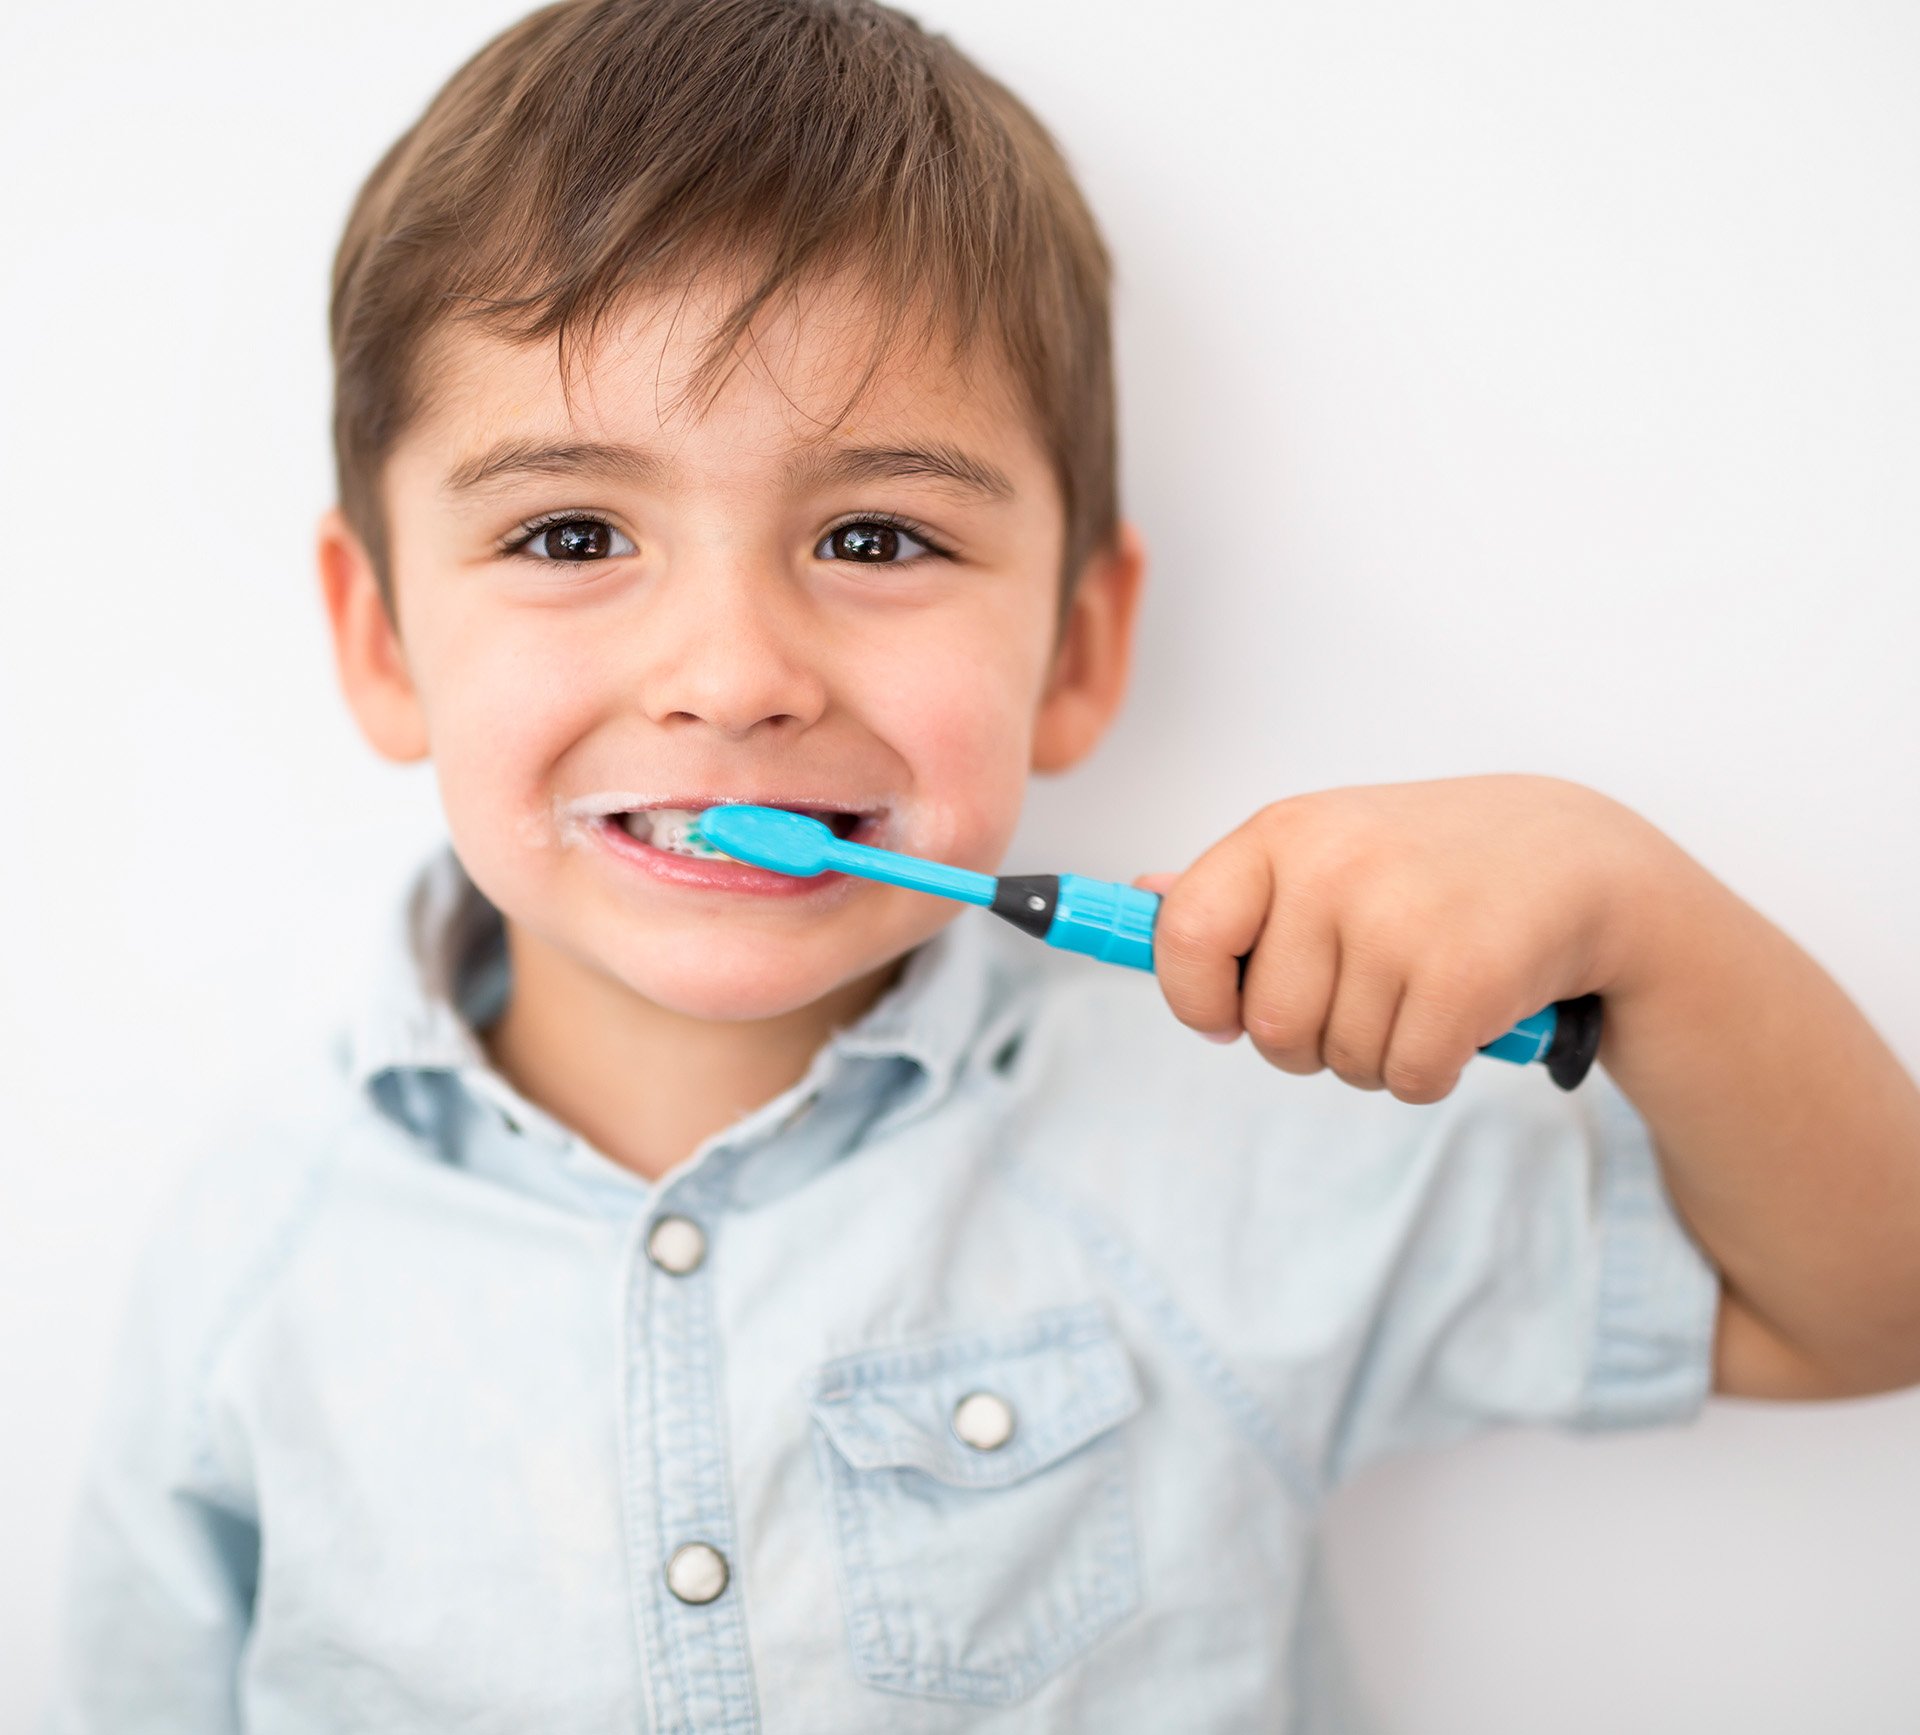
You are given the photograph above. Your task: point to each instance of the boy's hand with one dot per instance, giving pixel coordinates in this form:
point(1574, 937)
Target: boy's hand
point(1391, 930)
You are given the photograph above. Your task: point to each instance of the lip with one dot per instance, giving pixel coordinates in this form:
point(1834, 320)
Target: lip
point(706, 873)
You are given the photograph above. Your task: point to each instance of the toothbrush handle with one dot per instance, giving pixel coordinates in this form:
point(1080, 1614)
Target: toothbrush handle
point(1114, 923)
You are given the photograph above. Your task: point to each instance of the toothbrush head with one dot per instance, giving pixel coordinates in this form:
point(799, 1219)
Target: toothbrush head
point(770, 837)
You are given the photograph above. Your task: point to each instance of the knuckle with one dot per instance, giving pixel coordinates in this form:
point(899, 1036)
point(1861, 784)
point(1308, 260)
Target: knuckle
point(1282, 1037)
point(1351, 1062)
point(1419, 1081)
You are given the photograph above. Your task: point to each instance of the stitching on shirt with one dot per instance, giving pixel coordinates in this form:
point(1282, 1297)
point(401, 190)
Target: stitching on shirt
point(1066, 1432)
point(735, 1684)
point(272, 1258)
point(1150, 1294)
point(1070, 1327)
point(640, 1620)
point(868, 1625)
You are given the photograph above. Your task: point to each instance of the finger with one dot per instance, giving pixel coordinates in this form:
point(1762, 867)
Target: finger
point(1290, 978)
point(1366, 995)
point(1155, 882)
point(1211, 915)
point(1433, 1036)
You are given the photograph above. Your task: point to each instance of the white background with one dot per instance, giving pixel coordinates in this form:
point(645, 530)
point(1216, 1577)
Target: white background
point(1505, 387)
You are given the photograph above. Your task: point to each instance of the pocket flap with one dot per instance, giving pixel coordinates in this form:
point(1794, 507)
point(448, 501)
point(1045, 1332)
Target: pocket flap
point(1064, 1374)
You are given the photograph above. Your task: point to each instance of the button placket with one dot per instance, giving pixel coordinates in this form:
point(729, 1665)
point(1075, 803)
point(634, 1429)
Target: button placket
point(696, 1642)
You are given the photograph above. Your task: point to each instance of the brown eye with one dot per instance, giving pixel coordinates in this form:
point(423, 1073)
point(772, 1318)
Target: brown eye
point(871, 543)
point(580, 541)
point(575, 541)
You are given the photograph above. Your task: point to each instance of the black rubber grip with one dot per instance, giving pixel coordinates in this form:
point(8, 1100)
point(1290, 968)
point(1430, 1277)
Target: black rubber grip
point(1027, 901)
point(1576, 1040)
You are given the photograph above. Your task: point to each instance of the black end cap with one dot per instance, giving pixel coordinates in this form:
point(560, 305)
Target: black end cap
point(1576, 1040)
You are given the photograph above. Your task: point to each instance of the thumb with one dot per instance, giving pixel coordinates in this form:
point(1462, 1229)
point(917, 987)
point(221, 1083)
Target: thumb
point(1154, 882)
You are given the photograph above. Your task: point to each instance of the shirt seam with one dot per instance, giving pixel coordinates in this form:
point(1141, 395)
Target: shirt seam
point(271, 1259)
point(1149, 1293)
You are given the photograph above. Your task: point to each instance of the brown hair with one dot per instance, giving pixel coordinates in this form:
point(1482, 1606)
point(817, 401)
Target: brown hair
point(602, 146)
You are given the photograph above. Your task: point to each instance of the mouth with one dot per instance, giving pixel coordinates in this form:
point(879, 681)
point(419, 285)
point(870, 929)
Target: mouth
point(676, 830)
point(661, 838)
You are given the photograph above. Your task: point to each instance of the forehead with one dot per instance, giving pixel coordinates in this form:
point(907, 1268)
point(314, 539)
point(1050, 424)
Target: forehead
point(793, 380)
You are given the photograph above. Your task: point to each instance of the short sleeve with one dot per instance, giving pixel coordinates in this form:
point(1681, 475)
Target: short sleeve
point(160, 1565)
point(1656, 1297)
point(1538, 1273)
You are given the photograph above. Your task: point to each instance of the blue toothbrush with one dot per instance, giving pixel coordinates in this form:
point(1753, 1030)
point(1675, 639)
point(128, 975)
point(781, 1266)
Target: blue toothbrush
point(1099, 918)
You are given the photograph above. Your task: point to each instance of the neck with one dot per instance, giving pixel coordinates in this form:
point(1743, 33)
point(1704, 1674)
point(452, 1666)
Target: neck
point(643, 1084)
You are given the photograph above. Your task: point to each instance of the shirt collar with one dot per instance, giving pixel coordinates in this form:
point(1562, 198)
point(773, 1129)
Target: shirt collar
point(441, 975)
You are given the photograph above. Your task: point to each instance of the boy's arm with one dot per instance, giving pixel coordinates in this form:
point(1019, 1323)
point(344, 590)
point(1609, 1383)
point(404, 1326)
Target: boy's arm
point(1392, 930)
point(1788, 1132)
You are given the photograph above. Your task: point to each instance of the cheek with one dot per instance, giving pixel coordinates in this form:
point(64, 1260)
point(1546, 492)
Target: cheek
point(502, 706)
point(960, 714)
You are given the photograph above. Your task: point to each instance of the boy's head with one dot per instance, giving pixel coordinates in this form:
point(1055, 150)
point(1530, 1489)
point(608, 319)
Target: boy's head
point(724, 411)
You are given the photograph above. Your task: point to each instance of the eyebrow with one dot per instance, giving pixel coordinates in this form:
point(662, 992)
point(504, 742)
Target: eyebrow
point(936, 461)
point(514, 458)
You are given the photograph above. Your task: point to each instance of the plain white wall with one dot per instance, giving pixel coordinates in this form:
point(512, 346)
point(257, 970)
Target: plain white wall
point(1505, 387)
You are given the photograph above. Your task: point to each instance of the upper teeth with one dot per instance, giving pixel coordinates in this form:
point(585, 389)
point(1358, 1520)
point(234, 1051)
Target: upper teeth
point(670, 828)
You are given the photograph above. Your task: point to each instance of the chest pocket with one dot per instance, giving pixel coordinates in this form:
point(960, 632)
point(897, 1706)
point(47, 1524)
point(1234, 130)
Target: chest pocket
point(980, 1505)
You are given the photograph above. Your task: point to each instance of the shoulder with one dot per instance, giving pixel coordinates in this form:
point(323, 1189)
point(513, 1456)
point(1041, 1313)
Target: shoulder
point(254, 1180)
point(257, 1158)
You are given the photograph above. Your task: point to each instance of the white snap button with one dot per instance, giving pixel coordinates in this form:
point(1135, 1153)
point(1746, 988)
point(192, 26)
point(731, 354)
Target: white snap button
point(697, 1573)
point(676, 1245)
point(983, 1420)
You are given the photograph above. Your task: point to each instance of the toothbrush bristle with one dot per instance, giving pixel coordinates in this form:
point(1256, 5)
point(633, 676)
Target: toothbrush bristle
point(701, 844)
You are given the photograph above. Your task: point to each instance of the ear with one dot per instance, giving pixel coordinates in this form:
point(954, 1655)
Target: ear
point(1094, 654)
point(366, 649)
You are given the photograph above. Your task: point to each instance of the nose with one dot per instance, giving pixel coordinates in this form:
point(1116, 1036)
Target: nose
point(729, 649)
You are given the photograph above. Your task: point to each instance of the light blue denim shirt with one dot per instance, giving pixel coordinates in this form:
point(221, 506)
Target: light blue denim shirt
point(990, 1378)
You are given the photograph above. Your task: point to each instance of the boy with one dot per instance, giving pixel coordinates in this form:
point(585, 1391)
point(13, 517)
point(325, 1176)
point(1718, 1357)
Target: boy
point(706, 1301)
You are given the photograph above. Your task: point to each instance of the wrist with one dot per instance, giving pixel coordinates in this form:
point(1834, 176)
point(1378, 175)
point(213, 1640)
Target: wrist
point(1657, 902)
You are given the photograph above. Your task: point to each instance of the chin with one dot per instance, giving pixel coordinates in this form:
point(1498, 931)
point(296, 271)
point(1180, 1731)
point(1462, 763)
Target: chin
point(740, 982)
